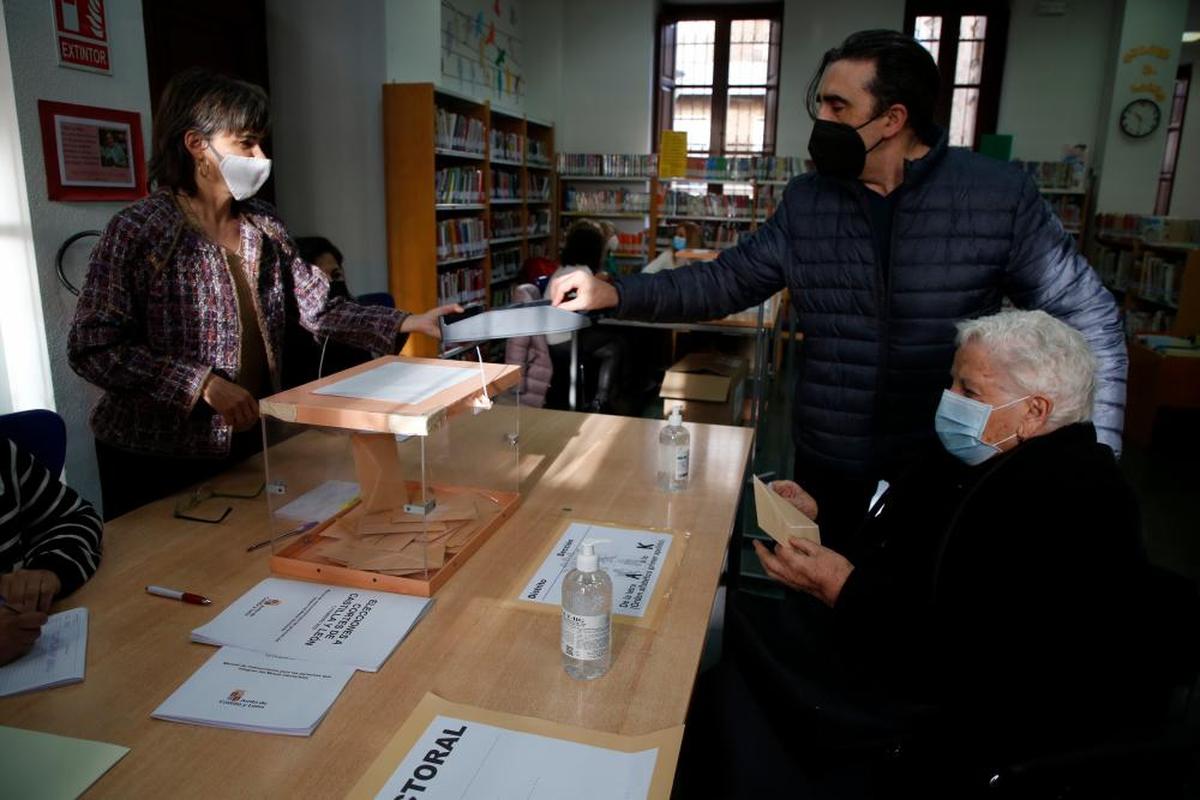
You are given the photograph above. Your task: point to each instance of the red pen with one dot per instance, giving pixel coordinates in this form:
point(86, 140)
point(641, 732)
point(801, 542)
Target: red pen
point(187, 597)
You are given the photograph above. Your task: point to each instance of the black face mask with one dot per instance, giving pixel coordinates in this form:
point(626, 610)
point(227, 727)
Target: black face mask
point(837, 150)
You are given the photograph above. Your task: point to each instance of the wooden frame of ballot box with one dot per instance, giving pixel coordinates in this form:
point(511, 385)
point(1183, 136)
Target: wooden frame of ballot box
point(407, 530)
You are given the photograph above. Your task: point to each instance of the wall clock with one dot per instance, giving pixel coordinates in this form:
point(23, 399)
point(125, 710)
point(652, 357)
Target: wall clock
point(1140, 118)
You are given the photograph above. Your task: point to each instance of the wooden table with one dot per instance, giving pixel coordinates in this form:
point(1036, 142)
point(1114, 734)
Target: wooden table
point(476, 646)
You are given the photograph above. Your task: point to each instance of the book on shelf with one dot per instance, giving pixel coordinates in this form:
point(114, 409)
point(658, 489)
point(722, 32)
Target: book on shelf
point(682, 203)
point(539, 187)
point(1149, 228)
point(778, 168)
point(507, 146)
point(461, 238)
point(458, 132)
point(603, 201)
point(505, 185)
point(458, 185)
point(462, 285)
point(539, 221)
point(600, 165)
point(506, 224)
point(720, 168)
point(1058, 175)
point(537, 153)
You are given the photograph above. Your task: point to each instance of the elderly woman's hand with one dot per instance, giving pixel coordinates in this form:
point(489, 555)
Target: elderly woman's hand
point(806, 567)
point(802, 500)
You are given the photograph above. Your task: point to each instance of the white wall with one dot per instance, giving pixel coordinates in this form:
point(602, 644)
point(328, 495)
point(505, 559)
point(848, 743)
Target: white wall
point(1129, 167)
point(607, 69)
point(542, 29)
point(413, 36)
point(327, 66)
point(1185, 197)
point(36, 75)
point(809, 29)
point(1054, 77)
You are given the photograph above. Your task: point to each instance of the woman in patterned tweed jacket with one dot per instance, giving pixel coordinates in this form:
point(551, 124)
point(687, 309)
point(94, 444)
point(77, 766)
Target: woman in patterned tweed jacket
point(181, 319)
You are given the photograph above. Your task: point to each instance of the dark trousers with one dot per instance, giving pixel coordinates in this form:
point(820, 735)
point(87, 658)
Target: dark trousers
point(841, 503)
point(131, 480)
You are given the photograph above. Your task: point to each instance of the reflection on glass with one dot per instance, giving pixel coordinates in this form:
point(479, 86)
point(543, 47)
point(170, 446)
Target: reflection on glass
point(970, 63)
point(749, 46)
point(962, 117)
point(694, 51)
point(745, 118)
point(693, 114)
point(972, 28)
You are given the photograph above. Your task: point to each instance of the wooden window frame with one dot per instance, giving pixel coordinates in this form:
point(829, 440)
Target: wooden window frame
point(995, 45)
point(664, 61)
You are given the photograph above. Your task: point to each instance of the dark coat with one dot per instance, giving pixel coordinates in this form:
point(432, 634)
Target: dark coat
point(878, 345)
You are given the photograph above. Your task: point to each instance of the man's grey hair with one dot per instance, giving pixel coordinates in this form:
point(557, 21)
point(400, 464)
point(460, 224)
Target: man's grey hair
point(1038, 354)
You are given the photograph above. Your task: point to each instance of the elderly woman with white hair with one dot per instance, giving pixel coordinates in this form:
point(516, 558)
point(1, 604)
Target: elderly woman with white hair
point(996, 586)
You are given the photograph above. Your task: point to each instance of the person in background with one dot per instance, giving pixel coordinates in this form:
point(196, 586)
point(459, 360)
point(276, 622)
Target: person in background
point(584, 251)
point(181, 319)
point(310, 357)
point(49, 546)
point(687, 236)
point(891, 241)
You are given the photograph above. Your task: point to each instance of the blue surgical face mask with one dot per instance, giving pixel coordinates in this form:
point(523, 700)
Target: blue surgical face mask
point(679, 243)
point(959, 423)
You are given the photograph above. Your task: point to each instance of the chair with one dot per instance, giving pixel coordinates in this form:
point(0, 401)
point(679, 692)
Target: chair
point(40, 432)
point(376, 299)
point(532, 354)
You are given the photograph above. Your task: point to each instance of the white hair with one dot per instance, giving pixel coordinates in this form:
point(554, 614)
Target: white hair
point(1038, 354)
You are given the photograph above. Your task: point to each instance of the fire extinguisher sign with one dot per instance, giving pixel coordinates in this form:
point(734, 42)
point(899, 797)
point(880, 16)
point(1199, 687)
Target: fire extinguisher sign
point(81, 34)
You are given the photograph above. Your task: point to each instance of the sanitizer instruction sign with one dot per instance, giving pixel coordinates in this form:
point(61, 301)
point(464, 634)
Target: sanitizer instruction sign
point(634, 559)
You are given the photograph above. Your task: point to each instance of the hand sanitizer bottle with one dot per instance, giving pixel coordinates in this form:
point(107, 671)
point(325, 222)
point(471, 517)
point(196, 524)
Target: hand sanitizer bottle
point(674, 453)
point(587, 617)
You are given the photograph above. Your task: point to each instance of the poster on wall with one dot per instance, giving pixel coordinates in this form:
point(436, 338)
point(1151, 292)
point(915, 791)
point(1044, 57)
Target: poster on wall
point(81, 35)
point(92, 153)
point(481, 50)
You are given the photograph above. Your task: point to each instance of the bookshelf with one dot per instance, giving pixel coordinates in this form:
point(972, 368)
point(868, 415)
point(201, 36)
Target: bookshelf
point(1157, 282)
point(1067, 187)
point(468, 192)
point(616, 188)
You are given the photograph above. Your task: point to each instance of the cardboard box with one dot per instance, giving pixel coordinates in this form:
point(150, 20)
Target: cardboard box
point(709, 386)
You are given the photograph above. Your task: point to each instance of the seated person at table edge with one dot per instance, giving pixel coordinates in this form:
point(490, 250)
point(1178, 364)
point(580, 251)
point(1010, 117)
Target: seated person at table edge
point(49, 546)
point(1001, 580)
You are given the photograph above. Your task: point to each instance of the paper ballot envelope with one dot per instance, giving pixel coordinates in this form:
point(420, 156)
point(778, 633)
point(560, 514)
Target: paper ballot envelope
point(779, 518)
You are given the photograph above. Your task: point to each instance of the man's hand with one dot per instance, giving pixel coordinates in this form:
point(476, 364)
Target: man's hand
point(29, 589)
point(807, 567)
point(802, 500)
point(235, 404)
point(18, 632)
point(427, 323)
point(591, 293)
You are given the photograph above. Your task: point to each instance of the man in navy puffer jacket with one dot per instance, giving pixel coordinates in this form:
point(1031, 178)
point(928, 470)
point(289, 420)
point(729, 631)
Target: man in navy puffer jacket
point(884, 248)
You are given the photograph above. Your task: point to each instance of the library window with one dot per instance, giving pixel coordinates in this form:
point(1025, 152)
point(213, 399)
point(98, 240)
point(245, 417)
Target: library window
point(967, 42)
point(719, 80)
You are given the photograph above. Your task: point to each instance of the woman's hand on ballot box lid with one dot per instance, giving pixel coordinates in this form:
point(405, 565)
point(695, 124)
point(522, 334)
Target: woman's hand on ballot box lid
point(582, 291)
point(791, 491)
point(427, 322)
point(806, 567)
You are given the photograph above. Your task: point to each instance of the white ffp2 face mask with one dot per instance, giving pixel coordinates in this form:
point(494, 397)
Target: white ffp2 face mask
point(243, 175)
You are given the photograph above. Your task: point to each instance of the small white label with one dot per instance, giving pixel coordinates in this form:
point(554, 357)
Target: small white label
point(681, 463)
point(586, 637)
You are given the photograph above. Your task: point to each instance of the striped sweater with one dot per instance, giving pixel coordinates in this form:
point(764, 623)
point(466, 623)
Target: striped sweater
point(44, 524)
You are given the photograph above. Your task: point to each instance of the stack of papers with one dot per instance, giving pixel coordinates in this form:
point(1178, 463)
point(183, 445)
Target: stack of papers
point(250, 691)
point(314, 622)
point(57, 658)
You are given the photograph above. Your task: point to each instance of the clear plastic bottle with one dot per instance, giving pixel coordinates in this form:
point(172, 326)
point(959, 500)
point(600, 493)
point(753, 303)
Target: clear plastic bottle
point(674, 453)
point(587, 617)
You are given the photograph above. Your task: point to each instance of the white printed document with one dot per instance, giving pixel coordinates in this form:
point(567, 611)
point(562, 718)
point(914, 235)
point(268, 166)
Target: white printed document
point(251, 691)
point(397, 382)
point(316, 622)
point(57, 658)
point(633, 558)
point(322, 502)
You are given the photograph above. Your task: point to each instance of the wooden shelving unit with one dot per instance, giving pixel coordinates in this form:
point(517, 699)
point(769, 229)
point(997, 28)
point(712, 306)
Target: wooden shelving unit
point(412, 158)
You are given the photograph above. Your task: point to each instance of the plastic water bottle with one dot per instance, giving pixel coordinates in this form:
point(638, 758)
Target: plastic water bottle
point(674, 453)
point(587, 617)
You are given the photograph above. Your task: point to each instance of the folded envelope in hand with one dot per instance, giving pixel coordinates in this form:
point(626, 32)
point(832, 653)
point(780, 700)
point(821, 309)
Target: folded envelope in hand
point(779, 518)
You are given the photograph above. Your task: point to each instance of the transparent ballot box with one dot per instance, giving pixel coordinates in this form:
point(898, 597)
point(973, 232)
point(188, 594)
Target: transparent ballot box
point(392, 474)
